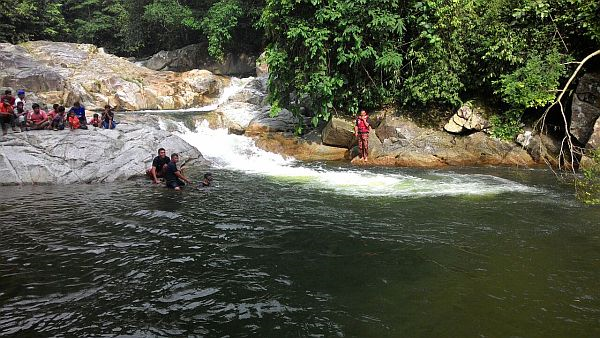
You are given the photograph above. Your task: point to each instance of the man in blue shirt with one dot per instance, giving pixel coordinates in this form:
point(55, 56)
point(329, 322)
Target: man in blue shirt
point(79, 111)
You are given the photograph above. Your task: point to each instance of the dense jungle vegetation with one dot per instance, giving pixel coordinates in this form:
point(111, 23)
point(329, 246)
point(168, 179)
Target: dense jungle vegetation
point(339, 55)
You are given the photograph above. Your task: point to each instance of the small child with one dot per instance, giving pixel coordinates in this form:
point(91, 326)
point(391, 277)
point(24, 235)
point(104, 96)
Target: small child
point(206, 181)
point(74, 121)
point(20, 116)
point(109, 118)
point(58, 122)
point(95, 121)
point(53, 112)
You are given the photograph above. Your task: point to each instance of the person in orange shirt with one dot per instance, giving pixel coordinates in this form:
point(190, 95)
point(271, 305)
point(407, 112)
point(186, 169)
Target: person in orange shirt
point(6, 115)
point(74, 121)
point(8, 95)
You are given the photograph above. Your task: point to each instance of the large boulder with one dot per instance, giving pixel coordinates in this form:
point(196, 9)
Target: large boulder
point(594, 141)
point(196, 57)
point(586, 108)
point(285, 121)
point(86, 156)
point(242, 102)
point(58, 72)
point(541, 147)
point(299, 148)
point(252, 90)
point(414, 146)
point(468, 118)
point(339, 133)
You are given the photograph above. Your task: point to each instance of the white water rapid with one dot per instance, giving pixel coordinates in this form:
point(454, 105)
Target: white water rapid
point(239, 153)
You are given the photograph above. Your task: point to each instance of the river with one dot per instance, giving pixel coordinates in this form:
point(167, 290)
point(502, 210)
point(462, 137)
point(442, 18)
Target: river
point(279, 248)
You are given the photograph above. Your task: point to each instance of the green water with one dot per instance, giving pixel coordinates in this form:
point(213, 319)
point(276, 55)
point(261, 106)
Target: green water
point(272, 256)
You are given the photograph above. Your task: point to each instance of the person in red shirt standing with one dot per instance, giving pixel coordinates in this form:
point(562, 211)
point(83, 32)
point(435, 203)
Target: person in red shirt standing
point(361, 131)
point(38, 119)
point(6, 115)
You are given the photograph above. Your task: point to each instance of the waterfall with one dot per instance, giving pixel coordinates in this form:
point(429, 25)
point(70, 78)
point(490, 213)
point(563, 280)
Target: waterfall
point(240, 153)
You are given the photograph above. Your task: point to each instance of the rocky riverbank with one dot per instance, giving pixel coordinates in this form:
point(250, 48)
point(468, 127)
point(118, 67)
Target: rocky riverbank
point(87, 156)
point(63, 73)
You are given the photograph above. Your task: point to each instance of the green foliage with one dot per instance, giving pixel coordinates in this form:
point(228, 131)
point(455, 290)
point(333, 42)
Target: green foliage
point(506, 126)
point(333, 54)
point(533, 84)
point(22, 20)
point(587, 187)
point(345, 54)
point(95, 21)
point(127, 27)
point(171, 15)
point(218, 24)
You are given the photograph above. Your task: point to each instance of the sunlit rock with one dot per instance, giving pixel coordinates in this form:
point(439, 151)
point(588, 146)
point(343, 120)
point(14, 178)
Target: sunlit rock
point(86, 156)
point(468, 118)
point(262, 68)
point(285, 121)
point(339, 133)
point(58, 72)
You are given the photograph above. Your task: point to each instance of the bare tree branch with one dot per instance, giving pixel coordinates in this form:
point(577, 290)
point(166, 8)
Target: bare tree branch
point(567, 139)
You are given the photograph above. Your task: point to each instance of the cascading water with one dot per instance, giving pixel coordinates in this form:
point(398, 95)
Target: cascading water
point(240, 153)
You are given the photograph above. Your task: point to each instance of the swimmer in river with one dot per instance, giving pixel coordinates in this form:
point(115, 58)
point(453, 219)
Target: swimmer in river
point(173, 176)
point(206, 181)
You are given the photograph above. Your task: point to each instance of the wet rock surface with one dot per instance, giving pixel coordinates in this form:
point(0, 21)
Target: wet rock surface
point(87, 156)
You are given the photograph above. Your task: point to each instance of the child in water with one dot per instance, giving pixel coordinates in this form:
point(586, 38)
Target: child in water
point(206, 181)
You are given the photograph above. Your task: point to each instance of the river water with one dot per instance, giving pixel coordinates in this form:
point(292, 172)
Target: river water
point(278, 248)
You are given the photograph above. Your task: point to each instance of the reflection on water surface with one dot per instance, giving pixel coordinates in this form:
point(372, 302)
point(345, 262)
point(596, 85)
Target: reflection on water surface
point(272, 256)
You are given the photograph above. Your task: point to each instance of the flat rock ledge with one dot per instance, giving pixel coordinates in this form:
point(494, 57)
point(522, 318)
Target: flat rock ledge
point(87, 156)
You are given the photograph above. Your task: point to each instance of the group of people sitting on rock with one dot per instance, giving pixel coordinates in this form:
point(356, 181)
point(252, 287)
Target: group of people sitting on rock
point(13, 113)
point(165, 167)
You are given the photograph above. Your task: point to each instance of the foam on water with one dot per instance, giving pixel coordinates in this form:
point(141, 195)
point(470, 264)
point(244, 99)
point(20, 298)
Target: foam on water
point(240, 153)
